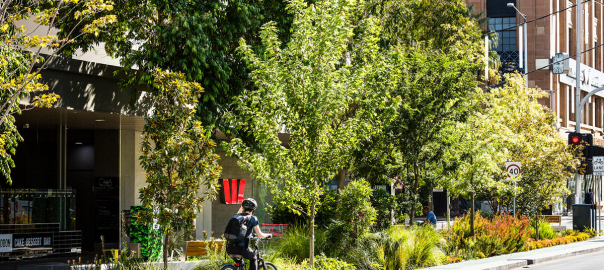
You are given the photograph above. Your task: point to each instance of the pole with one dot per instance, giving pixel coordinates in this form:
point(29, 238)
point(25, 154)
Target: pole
point(596, 194)
point(486, 58)
point(578, 93)
point(448, 210)
point(578, 69)
point(599, 203)
point(521, 48)
point(526, 56)
point(392, 193)
point(514, 198)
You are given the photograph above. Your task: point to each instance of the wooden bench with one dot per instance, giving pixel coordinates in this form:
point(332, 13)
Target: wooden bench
point(552, 219)
point(200, 248)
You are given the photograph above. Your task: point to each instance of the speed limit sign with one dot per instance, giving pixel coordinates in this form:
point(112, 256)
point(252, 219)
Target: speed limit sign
point(513, 169)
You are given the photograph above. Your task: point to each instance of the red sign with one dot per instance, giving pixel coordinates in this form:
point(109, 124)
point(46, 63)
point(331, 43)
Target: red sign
point(232, 191)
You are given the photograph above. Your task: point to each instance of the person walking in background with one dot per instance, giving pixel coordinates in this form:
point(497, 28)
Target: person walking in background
point(430, 216)
point(589, 197)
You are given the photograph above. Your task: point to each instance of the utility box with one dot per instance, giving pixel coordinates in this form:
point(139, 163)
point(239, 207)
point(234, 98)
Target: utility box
point(584, 216)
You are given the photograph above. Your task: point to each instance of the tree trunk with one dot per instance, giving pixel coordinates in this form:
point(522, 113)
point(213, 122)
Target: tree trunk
point(472, 209)
point(312, 235)
point(166, 244)
point(472, 213)
point(341, 179)
point(537, 228)
point(413, 192)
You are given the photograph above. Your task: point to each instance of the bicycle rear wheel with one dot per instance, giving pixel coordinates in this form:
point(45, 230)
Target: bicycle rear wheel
point(228, 267)
point(268, 266)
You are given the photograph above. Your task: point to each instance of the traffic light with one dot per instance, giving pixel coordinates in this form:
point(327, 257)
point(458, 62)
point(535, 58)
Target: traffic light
point(585, 142)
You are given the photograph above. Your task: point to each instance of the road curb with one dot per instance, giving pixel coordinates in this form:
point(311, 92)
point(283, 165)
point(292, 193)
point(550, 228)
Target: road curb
point(537, 256)
point(557, 256)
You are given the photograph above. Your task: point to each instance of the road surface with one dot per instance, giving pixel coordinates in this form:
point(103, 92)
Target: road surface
point(591, 261)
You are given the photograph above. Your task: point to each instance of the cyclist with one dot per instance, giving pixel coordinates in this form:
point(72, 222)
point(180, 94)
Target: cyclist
point(243, 248)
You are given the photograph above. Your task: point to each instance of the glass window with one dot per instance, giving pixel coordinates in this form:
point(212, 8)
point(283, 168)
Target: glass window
point(506, 30)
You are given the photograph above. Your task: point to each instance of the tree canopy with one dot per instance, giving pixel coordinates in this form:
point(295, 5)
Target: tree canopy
point(178, 158)
point(195, 38)
point(320, 91)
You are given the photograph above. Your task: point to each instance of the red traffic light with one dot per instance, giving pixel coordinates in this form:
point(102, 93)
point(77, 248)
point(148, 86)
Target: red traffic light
point(575, 138)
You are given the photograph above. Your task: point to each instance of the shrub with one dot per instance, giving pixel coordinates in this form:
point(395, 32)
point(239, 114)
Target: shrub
point(354, 217)
point(383, 203)
point(285, 263)
point(281, 214)
point(324, 263)
point(545, 230)
point(216, 256)
point(484, 214)
point(592, 232)
point(423, 247)
point(502, 234)
point(570, 237)
point(401, 248)
point(296, 245)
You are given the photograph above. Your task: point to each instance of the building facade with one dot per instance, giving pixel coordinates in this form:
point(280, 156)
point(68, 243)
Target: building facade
point(78, 168)
point(551, 28)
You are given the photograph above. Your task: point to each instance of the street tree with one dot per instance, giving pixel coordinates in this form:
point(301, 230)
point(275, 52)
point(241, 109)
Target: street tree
point(534, 141)
point(319, 91)
point(196, 38)
point(433, 88)
point(474, 154)
point(24, 52)
point(439, 51)
point(178, 158)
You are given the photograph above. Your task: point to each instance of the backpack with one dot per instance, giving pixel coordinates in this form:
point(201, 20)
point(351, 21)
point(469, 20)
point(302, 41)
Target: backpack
point(236, 229)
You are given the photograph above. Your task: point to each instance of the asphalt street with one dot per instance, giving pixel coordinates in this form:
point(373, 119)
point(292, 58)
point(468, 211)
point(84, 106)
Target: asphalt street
point(591, 261)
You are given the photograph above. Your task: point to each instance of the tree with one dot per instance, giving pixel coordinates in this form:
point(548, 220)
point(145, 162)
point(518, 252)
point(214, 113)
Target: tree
point(23, 55)
point(439, 53)
point(534, 142)
point(475, 153)
point(195, 38)
point(318, 90)
point(512, 127)
point(178, 158)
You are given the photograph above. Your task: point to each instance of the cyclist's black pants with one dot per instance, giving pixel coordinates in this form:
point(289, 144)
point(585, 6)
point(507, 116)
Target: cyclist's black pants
point(251, 255)
point(246, 253)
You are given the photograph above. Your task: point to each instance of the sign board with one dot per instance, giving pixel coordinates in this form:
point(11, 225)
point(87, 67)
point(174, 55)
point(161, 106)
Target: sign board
point(6, 242)
point(591, 78)
point(231, 191)
point(32, 241)
point(598, 165)
point(560, 63)
point(107, 209)
point(513, 169)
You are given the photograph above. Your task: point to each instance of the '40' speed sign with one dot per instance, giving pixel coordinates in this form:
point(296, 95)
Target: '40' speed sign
point(513, 169)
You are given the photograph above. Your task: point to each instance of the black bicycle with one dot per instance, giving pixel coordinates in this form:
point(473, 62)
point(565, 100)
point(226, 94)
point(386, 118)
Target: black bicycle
point(240, 263)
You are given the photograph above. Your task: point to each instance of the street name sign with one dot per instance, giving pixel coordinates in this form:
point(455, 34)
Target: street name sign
point(560, 63)
point(513, 169)
point(598, 165)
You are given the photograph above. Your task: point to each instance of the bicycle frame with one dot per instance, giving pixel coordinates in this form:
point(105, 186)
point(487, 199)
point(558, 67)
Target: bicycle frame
point(241, 264)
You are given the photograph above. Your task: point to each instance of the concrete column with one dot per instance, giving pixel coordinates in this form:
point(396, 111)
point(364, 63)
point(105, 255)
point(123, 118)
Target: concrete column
point(127, 162)
point(204, 221)
point(132, 176)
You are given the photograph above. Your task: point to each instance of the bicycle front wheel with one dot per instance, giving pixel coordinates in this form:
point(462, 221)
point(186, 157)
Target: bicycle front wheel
point(229, 267)
point(268, 266)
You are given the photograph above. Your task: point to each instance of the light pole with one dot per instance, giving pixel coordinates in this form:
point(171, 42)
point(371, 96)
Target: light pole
point(521, 43)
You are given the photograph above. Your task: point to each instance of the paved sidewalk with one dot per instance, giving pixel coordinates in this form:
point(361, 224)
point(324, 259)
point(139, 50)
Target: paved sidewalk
point(521, 259)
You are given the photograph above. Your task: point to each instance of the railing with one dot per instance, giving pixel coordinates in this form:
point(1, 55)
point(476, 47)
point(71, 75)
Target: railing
point(26, 206)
